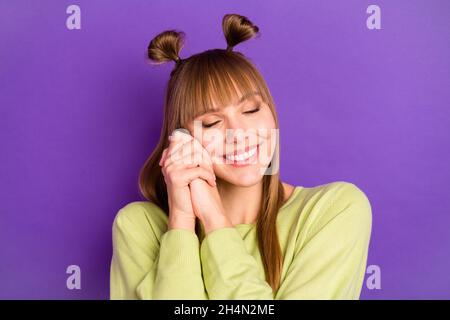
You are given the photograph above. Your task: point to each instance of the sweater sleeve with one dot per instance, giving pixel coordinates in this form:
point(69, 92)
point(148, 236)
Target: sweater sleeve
point(144, 268)
point(330, 260)
point(331, 265)
point(229, 271)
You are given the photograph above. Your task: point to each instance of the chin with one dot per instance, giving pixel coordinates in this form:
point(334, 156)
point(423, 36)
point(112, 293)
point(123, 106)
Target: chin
point(243, 177)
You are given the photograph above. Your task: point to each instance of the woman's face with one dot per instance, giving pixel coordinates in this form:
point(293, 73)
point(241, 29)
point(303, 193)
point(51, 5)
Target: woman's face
point(240, 139)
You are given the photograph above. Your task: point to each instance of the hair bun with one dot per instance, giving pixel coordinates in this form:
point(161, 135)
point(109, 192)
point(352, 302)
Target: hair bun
point(237, 29)
point(166, 46)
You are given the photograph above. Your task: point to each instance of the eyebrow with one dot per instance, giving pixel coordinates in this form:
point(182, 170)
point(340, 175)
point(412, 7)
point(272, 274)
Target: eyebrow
point(241, 100)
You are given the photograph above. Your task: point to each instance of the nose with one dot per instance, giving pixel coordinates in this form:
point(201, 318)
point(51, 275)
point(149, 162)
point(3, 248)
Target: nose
point(235, 131)
point(240, 134)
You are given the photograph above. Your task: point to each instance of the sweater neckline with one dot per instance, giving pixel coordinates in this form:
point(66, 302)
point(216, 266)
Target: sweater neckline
point(287, 203)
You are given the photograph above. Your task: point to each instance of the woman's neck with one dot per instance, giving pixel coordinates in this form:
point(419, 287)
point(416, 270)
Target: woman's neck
point(241, 204)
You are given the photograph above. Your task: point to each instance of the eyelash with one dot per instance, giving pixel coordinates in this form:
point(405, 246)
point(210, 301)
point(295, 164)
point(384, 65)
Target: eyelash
point(210, 125)
point(254, 110)
point(251, 111)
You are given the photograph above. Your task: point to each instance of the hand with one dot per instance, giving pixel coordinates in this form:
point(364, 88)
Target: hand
point(207, 205)
point(206, 201)
point(178, 172)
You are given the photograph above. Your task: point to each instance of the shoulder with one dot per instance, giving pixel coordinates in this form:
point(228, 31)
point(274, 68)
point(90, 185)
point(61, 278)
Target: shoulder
point(341, 204)
point(141, 218)
point(341, 193)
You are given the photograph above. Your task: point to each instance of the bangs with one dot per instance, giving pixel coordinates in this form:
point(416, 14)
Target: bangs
point(211, 82)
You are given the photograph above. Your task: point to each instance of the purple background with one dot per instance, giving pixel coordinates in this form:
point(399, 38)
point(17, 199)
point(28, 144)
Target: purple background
point(81, 110)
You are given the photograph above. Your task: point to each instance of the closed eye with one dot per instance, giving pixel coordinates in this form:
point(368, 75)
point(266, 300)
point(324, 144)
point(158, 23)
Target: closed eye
point(210, 124)
point(253, 111)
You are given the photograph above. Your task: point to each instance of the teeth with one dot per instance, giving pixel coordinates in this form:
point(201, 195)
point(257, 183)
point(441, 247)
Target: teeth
point(242, 157)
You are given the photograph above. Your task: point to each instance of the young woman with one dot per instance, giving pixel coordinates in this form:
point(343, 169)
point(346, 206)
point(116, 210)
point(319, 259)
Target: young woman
point(219, 223)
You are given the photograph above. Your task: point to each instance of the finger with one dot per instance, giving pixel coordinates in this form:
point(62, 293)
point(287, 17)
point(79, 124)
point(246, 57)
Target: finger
point(190, 160)
point(186, 159)
point(177, 141)
point(172, 150)
point(204, 156)
point(179, 174)
point(176, 152)
point(190, 175)
point(194, 155)
point(178, 171)
point(179, 134)
point(163, 157)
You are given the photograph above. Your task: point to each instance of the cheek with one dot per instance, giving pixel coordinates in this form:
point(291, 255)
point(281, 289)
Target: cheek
point(267, 126)
point(270, 135)
point(270, 120)
point(265, 120)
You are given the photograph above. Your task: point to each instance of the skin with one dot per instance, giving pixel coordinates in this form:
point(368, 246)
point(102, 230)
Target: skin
point(219, 194)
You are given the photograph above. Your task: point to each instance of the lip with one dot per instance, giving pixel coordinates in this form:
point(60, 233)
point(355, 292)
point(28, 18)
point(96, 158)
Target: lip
point(247, 162)
point(242, 152)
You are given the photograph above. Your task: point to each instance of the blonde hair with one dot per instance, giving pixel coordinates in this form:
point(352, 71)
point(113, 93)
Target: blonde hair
point(193, 84)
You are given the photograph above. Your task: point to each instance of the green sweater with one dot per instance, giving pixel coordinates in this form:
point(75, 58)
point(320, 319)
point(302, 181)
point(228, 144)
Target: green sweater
point(324, 234)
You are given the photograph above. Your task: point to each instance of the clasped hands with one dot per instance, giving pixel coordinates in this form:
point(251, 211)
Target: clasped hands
point(191, 185)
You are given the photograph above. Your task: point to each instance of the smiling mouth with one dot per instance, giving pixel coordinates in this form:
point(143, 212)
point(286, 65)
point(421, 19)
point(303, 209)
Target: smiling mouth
point(242, 156)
